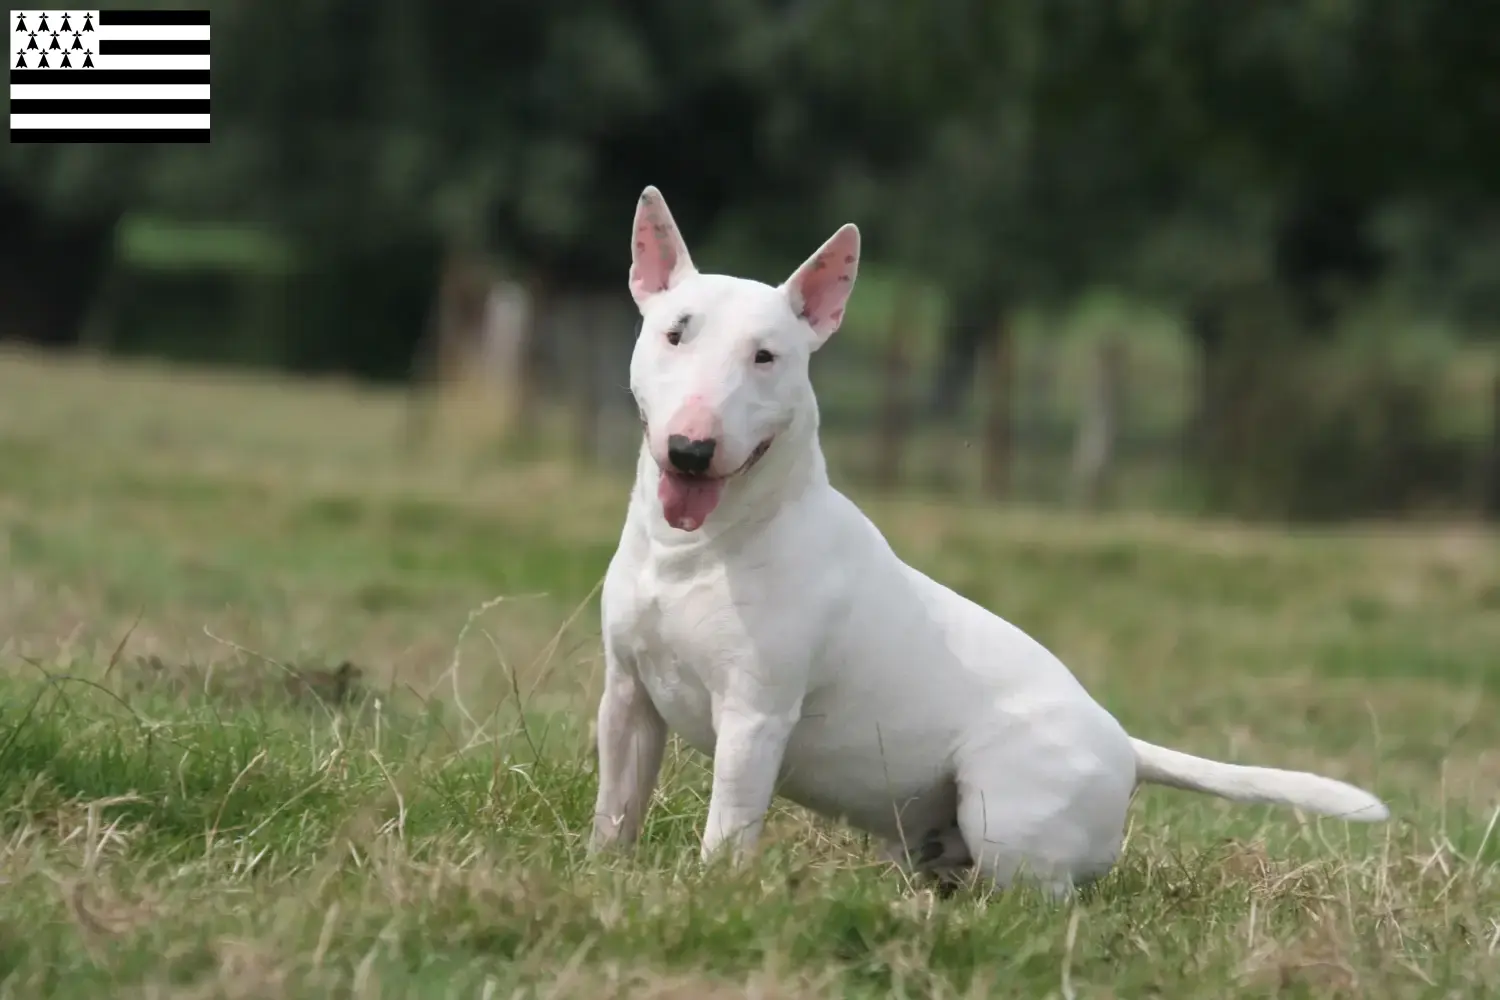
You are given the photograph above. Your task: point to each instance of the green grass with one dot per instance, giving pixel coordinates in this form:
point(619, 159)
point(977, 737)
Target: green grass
point(192, 805)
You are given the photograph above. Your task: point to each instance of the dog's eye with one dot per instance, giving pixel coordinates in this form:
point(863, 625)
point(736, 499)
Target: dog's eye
point(764, 357)
point(674, 332)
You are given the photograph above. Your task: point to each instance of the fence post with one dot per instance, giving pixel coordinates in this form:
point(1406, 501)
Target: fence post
point(894, 419)
point(1099, 423)
point(442, 358)
point(584, 345)
point(530, 387)
point(1492, 487)
point(995, 471)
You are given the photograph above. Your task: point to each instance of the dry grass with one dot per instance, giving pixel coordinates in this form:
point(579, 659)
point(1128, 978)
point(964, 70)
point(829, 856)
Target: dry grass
point(198, 799)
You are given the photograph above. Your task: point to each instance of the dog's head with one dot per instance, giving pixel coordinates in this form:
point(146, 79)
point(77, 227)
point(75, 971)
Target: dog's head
point(720, 368)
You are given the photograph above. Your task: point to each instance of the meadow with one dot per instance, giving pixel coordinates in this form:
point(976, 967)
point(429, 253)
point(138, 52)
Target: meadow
point(289, 711)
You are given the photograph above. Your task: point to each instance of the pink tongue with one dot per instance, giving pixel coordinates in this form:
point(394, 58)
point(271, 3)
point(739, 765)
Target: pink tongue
point(688, 502)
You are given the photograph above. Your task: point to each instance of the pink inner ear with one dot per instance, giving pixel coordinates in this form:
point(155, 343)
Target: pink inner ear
point(822, 285)
point(657, 250)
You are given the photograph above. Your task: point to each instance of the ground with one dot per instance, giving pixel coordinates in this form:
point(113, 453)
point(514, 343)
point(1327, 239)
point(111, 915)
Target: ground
point(289, 712)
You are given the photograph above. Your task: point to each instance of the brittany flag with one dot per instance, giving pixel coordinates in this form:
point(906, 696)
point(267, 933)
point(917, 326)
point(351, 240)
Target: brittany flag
point(109, 76)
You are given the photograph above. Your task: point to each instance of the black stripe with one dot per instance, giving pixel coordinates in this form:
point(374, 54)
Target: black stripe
point(108, 135)
point(108, 76)
point(153, 47)
point(109, 18)
point(107, 106)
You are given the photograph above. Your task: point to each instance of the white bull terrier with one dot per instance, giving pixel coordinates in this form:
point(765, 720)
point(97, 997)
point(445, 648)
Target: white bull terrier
point(755, 610)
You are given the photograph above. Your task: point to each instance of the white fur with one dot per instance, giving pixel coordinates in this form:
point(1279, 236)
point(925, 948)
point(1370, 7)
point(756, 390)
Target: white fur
point(786, 639)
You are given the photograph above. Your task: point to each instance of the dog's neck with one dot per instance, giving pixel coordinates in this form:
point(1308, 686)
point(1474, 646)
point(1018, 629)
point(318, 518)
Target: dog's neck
point(792, 467)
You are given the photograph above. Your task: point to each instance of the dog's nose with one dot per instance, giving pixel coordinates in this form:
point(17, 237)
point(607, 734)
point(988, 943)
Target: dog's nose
point(692, 457)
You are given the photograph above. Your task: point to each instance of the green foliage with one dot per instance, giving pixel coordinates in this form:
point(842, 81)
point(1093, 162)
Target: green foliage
point(1016, 155)
point(1045, 137)
point(1340, 441)
point(1347, 428)
point(1035, 144)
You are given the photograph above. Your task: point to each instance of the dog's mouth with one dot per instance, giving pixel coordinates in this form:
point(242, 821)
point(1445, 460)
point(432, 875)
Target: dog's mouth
point(687, 500)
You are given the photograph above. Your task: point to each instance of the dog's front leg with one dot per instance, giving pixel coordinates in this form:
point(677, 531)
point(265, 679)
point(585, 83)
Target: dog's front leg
point(748, 751)
point(632, 737)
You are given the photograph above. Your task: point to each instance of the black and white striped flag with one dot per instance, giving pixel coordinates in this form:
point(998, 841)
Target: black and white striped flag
point(109, 76)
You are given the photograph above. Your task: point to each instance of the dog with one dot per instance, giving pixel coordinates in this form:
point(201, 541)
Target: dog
point(753, 609)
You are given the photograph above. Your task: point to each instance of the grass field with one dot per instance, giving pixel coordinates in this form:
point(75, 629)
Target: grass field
point(199, 799)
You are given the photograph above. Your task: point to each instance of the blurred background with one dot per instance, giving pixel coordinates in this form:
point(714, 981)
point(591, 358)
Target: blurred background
point(1176, 342)
point(1238, 259)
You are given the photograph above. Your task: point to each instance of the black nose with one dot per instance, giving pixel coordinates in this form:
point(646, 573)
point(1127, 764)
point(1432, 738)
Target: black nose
point(692, 457)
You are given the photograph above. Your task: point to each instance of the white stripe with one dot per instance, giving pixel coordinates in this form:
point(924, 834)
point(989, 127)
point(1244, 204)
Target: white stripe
point(109, 92)
point(75, 60)
point(143, 32)
point(120, 32)
point(113, 33)
point(108, 121)
point(144, 62)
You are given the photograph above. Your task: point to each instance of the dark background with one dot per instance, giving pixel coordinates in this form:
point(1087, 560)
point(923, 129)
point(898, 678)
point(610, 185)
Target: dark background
point(1264, 238)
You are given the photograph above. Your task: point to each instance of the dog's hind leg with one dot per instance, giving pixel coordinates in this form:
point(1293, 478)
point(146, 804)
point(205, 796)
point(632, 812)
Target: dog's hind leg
point(1052, 829)
point(941, 857)
point(632, 737)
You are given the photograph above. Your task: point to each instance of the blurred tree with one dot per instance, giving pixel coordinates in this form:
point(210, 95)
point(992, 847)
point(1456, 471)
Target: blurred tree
point(1076, 141)
point(1330, 114)
point(1012, 150)
point(362, 129)
point(50, 267)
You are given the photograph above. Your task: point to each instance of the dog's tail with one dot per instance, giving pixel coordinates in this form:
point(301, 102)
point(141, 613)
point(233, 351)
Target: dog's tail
point(1268, 785)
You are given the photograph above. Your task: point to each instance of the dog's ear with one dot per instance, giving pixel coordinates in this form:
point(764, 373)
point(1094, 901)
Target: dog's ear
point(658, 256)
point(819, 289)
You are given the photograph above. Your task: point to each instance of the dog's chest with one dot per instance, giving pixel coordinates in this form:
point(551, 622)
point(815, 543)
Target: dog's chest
point(685, 639)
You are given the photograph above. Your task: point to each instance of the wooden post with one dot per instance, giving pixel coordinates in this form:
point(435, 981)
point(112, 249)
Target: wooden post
point(894, 419)
point(502, 342)
point(98, 329)
point(584, 344)
point(995, 472)
point(1492, 490)
point(1099, 423)
point(529, 389)
point(474, 358)
point(429, 363)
